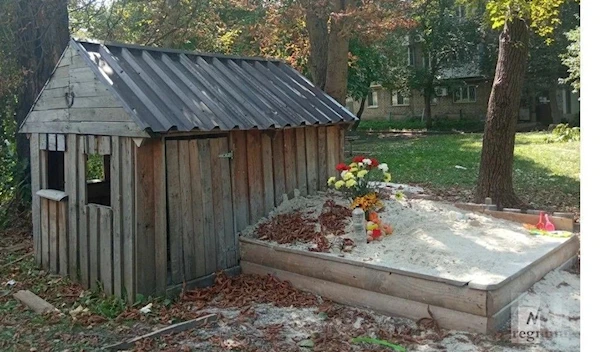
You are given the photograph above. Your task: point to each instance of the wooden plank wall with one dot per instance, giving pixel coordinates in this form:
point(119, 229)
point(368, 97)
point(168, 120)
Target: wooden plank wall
point(270, 164)
point(90, 243)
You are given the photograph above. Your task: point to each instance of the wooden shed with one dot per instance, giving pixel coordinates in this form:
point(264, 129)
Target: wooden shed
point(147, 163)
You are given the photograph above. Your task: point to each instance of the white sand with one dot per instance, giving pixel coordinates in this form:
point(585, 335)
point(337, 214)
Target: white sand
point(438, 239)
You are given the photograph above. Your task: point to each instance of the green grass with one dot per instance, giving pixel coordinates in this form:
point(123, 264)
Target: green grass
point(442, 125)
point(546, 175)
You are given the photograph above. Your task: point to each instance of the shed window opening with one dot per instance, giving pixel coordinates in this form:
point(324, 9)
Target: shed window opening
point(97, 171)
point(56, 170)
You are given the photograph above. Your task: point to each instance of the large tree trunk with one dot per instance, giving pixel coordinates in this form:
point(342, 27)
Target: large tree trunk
point(318, 36)
point(43, 33)
point(336, 83)
point(496, 167)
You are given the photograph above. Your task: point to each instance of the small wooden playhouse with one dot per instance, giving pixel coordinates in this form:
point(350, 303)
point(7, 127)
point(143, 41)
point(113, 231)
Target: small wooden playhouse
point(192, 149)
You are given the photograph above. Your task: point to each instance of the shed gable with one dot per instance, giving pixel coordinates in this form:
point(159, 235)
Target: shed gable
point(75, 100)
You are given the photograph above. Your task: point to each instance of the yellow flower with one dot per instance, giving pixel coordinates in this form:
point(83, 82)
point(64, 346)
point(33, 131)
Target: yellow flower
point(348, 176)
point(351, 183)
point(331, 180)
point(353, 165)
point(387, 177)
point(339, 184)
point(353, 169)
point(362, 173)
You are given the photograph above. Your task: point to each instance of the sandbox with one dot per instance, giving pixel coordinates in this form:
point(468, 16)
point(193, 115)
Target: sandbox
point(465, 269)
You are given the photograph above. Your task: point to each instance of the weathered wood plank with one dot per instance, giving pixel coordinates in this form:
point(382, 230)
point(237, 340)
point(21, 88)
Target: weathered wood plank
point(218, 206)
point(312, 160)
point(231, 237)
point(255, 175)
point(127, 211)
point(47, 116)
point(197, 209)
point(34, 150)
point(160, 215)
point(322, 157)
point(210, 241)
point(289, 151)
point(174, 211)
point(117, 225)
point(43, 138)
point(94, 103)
point(45, 233)
point(71, 183)
point(240, 180)
point(278, 167)
point(94, 233)
point(301, 161)
point(125, 129)
point(63, 244)
point(83, 235)
point(52, 142)
point(60, 142)
point(267, 163)
point(104, 143)
point(187, 221)
point(144, 217)
point(83, 74)
point(92, 145)
point(106, 251)
point(332, 149)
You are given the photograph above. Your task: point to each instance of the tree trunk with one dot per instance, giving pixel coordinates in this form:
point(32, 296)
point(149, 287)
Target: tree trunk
point(361, 109)
point(318, 37)
point(43, 33)
point(497, 155)
point(557, 115)
point(336, 83)
point(427, 101)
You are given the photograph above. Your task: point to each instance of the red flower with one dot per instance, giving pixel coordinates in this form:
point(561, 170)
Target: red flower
point(376, 233)
point(374, 163)
point(358, 159)
point(341, 167)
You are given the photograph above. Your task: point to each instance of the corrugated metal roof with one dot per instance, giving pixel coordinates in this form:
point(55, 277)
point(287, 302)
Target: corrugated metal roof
point(177, 90)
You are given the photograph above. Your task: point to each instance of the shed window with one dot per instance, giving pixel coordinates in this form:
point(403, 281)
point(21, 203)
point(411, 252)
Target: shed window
point(98, 179)
point(56, 170)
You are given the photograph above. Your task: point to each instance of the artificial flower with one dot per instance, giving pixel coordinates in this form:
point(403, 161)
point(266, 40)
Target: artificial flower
point(344, 173)
point(353, 165)
point(331, 180)
point(362, 173)
point(399, 195)
point(374, 217)
point(341, 167)
point(376, 233)
point(372, 226)
point(339, 184)
point(358, 158)
point(348, 176)
point(351, 182)
point(387, 177)
point(361, 164)
point(374, 162)
point(367, 161)
point(383, 167)
point(353, 169)
point(387, 229)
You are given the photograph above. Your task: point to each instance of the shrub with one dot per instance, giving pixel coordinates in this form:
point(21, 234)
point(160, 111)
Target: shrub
point(563, 133)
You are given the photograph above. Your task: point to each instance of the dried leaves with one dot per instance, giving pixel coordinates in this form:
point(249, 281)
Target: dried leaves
point(288, 228)
point(333, 218)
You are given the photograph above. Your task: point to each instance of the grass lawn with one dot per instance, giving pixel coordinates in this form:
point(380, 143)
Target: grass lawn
point(545, 175)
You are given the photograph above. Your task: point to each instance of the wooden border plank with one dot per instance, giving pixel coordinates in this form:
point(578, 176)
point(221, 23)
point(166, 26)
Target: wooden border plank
point(63, 243)
point(301, 176)
point(117, 226)
point(312, 160)
point(197, 209)
point(174, 211)
point(160, 214)
point(267, 172)
point(240, 180)
point(210, 241)
point(289, 154)
point(278, 167)
point(105, 234)
point(322, 157)
point(255, 175)
point(34, 149)
point(187, 220)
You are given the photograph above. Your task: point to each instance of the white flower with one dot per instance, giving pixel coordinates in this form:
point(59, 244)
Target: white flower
point(361, 164)
point(383, 167)
point(367, 161)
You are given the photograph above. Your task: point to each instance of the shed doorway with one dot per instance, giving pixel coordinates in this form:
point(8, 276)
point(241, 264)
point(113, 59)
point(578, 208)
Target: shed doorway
point(201, 235)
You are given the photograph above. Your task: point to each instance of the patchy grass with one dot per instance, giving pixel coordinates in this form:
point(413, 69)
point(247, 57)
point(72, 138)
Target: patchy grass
point(545, 175)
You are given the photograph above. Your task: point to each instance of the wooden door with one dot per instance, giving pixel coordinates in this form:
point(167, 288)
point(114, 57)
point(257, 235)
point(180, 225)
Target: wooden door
point(201, 235)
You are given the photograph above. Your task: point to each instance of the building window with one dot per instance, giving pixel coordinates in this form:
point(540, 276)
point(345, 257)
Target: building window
point(399, 100)
point(98, 179)
point(372, 99)
point(56, 170)
point(411, 56)
point(465, 94)
point(426, 61)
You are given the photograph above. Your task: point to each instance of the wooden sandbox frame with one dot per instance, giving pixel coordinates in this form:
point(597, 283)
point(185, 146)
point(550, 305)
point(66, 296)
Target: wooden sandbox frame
point(458, 305)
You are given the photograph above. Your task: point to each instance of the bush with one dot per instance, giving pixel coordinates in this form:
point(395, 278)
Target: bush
point(414, 123)
point(563, 133)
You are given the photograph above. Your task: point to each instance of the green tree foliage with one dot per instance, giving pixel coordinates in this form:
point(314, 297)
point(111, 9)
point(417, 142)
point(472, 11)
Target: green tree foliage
point(572, 59)
point(366, 66)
